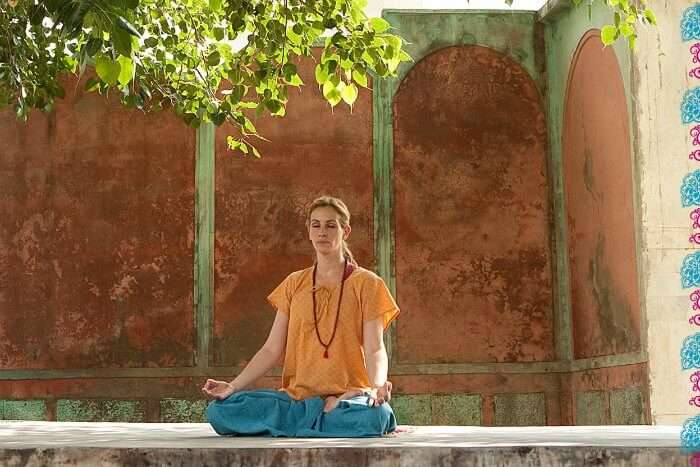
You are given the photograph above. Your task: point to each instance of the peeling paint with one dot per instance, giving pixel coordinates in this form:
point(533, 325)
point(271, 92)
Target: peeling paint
point(472, 246)
point(95, 230)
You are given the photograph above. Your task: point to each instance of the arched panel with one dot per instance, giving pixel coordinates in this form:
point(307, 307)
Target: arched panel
point(473, 266)
point(599, 205)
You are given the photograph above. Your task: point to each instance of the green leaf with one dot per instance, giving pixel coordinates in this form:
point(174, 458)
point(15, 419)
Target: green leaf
point(232, 143)
point(127, 26)
point(215, 5)
point(107, 70)
point(121, 40)
point(91, 84)
point(349, 94)
point(214, 58)
point(273, 105)
point(379, 25)
point(321, 74)
point(626, 29)
point(150, 42)
point(359, 75)
point(126, 73)
point(328, 87)
point(93, 46)
point(650, 16)
point(334, 97)
point(608, 34)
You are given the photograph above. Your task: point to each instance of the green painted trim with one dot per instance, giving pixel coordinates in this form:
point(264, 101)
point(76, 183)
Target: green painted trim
point(426, 31)
point(631, 358)
point(552, 9)
point(116, 373)
point(204, 241)
point(606, 361)
point(465, 11)
point(383, 170)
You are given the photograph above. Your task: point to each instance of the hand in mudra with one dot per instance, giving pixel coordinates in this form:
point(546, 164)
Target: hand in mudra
point(383, 394)
point(217, 389)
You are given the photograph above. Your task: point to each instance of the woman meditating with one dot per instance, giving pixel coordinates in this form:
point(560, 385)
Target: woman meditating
point(329, 329)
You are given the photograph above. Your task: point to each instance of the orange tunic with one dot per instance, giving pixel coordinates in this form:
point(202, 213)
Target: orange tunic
point(306, 373)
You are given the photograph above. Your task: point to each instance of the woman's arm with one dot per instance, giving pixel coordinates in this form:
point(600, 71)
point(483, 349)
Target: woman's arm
point(263, 361)
point(375, 353)
point(267, 357)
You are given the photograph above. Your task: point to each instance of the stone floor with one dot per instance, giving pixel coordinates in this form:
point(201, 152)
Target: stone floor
point(75, 443)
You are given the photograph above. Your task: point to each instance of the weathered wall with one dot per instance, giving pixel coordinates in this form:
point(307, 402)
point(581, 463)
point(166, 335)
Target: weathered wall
point(472, 211)
point(599, 207)
point(462, 133)
point(96, 240)
point(597, 225)
point(94, 273)
point(416, 169)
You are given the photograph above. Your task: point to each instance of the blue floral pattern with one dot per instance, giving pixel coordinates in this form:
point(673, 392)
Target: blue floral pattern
point(690, 271)
point(690, 352)
point(690, 433)
point(690, 106)
point(690, 23)
point(690, 189)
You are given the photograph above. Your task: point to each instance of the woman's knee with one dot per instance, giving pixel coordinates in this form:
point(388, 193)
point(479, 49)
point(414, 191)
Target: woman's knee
point(384, 417)
point(214, 417)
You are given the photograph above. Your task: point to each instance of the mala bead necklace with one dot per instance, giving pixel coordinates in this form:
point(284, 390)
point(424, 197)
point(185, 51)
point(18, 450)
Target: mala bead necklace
point(337, 312)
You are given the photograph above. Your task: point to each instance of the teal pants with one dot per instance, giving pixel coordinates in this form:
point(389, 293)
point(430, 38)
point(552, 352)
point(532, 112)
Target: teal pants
point(267, 412)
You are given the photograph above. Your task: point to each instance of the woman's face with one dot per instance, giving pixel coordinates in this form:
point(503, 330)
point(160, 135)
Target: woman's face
point(325, 231)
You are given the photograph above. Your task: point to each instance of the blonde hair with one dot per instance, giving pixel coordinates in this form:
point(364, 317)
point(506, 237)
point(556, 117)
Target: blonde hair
point(343, 214)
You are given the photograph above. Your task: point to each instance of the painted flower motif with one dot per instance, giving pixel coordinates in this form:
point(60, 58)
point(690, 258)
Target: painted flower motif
point(695, 379)
point(690, 106)
point(690, 433)
point(695, 299)
point(690, 23)
point(695, 52)
point(690, 189)
point(690, 271)
point(690, 352)
point(695, 134)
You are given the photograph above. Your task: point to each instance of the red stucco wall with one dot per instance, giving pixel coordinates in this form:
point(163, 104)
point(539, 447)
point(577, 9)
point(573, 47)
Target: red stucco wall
point(599, 206)
point(472, 212)
point(96, 237)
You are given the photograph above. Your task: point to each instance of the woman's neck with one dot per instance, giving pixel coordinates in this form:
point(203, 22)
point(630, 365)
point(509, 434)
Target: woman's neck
point(329, 265)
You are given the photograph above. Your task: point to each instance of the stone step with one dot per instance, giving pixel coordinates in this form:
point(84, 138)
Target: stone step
point(185, 444)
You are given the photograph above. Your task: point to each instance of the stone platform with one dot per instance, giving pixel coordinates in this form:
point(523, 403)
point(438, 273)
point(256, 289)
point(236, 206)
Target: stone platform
point(185, 444)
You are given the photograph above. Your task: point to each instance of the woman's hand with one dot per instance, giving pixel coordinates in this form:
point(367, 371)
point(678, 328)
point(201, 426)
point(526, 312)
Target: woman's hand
point(382, 394)
point(218, 389)
point(331, 403)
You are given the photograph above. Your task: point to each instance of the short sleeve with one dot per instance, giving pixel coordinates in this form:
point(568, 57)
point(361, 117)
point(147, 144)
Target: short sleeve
point(281, 297)
point(378, 303)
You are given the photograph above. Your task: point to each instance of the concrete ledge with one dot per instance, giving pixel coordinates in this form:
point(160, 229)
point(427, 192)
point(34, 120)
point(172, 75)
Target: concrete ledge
point(355, 457)
point(108, 444)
